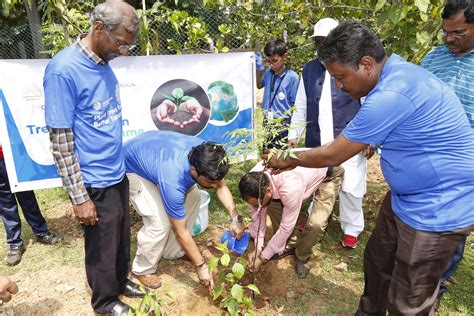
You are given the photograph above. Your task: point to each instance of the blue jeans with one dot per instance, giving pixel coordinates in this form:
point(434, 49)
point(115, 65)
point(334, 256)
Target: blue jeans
point(452, 266)
point(9, 210)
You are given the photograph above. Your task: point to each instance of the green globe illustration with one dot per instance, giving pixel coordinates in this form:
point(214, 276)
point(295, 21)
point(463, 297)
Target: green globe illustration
point(224, 105)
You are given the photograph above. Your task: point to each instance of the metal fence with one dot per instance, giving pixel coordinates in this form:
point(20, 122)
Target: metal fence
point(25, 41)
point(17, 42)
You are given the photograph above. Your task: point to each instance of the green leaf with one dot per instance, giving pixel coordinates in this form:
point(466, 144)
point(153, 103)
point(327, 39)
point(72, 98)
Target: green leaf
point(222, 247)
point(254, 288)
point(237, 292)
point(423, 37)
point(230, 277)
point(247, 301)
point(243, 262)
point(422, 5)
point(217, 291)
point(380, 4)
point(177, 93)
point(225, 259)
point(212, 264)
point(187, 98)
point(238, 270)
point(233, 307)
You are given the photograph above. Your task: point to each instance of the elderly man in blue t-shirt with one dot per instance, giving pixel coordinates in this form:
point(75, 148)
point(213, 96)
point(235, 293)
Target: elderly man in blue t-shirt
point(427, 157)
point(163, 168)
point(83, 113)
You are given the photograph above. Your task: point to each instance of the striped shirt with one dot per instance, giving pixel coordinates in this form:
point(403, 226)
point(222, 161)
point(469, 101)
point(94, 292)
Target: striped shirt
point(457, 72)
point(291, 188)
point(62, 147)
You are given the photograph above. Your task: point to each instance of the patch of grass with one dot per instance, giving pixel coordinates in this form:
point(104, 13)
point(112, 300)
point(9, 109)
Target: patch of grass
point(327, 291)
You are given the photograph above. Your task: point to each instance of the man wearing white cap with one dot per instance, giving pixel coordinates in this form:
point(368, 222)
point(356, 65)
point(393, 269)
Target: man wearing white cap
point(324, 111)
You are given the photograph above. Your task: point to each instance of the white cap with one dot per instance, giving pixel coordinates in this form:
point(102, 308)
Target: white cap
point(324, 26)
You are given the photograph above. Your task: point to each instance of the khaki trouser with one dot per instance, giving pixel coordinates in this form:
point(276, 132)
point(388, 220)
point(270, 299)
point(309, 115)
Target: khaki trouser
point(156, 239)
point(314, 226)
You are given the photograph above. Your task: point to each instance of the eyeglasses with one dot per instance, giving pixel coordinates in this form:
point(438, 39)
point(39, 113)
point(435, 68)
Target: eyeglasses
point(272, 62)
point(457, 34)
point(121, 47)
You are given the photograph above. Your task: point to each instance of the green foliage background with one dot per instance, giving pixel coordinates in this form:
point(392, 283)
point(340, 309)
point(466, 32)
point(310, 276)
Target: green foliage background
point(409, 28)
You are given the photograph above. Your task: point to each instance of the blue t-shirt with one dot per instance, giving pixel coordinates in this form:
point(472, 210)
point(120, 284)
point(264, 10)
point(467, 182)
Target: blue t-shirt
point(84, 96)
point(162, 158)
point(427, 146)
point(457, 72)
point(282, 97)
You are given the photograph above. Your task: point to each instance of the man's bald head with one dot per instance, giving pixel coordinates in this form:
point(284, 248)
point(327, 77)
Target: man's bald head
point(116, 13)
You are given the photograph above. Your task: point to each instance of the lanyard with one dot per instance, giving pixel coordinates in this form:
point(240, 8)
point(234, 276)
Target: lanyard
point(274, 78)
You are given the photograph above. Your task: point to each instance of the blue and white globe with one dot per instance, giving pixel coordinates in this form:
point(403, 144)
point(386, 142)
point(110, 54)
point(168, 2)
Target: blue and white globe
point(224, 106)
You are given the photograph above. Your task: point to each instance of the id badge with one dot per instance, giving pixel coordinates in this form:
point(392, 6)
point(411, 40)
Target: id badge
point(270, 116)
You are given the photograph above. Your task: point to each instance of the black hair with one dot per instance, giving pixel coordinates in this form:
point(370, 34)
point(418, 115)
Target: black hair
point(453, 7)
point(348, 43)
point(248, 185)
point(275, 47)
point(209, 160)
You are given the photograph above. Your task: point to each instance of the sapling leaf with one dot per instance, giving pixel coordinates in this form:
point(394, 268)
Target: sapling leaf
point(237, 292)
point(254, 288)
point(238, 270)
point(187, 98)
point(172, 99)
point(233, 307)
point(251, 313)
point(230, 277)
point(293, 156)
point(225, 259)
point(212, 264)
point(243, 262)
point(217, 291)
point(177, 93)
point(221, 277)
point(247, 301)
point(225, 302)
point(222, 247)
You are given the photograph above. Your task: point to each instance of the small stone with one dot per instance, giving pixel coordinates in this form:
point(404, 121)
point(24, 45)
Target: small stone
point(290, 295)
point(341, 267)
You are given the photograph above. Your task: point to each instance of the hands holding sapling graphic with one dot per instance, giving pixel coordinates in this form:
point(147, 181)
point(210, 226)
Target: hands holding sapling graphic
point(179, 109)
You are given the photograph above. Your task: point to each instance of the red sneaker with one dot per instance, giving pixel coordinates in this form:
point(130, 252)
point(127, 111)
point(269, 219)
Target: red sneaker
point(349, 241)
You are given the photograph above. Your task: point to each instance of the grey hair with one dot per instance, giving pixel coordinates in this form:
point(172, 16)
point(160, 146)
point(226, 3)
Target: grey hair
point(113, 15)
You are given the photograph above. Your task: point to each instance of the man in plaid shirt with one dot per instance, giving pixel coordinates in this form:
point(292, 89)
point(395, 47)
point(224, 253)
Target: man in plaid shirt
point(84, 118)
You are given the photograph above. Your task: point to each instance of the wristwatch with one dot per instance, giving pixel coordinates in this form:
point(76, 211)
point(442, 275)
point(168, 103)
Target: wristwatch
point(237, 219)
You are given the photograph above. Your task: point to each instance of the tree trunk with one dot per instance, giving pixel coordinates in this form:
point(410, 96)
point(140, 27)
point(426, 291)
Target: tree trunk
point(34, 20)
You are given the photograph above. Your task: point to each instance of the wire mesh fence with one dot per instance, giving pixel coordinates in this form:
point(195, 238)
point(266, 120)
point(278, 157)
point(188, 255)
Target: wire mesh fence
point(26, 41)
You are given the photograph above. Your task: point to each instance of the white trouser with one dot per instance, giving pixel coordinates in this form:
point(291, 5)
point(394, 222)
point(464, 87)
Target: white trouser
point(351, 214)
point(156, 239)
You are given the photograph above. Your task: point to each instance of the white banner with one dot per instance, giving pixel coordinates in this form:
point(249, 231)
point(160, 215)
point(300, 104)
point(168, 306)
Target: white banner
point(223, 84)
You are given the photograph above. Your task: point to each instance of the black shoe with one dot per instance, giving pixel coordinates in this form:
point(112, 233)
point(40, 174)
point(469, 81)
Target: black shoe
point(120, 309)
point(289, 251)
point(50, 238)
point(14, 255)
point(133, 290)
point(302, 268)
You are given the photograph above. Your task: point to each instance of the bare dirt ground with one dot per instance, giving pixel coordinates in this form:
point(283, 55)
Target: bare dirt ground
point(59, 287)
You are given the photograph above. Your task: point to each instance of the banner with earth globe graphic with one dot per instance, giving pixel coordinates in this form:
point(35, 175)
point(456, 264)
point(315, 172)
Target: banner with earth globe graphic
point(205, 95)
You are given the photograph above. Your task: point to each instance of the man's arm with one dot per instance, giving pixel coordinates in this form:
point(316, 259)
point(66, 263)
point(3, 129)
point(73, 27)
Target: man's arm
point(291, 195)
point(192, 251)
point(67, 164)
point(331, 154)
point(225, 198)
